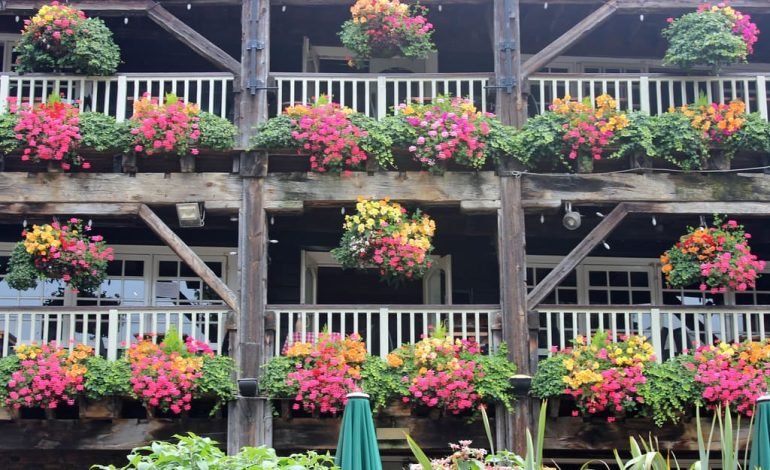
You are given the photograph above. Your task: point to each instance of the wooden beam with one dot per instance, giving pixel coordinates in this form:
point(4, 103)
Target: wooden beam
point(513, 297)
point(249, 420)
point(753, 5)
point(323, 190)
point(706, 208)
point(569, 262)
point(251, 82)
point(192, 38)
point(569, 38)
point(218, 190)
point(187, 255)
point(541, 192)
point(510, 105)
point(69, 208)
point(92, 434)
point(93, 7)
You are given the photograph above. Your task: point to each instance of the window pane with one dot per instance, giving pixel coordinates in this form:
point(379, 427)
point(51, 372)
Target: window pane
point(597, 278)
point(618, 278)
point(133, 268)
point(168, 268)
point(640, 279)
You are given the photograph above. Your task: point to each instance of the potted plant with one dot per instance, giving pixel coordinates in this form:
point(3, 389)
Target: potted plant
point(60, 38)
point(336, 139)
point(716, 258)
point(446, 129)
point(43, 376)
point(714, 35)
point(106, 382)
point(63, 251)
point(317, 376)
point(572, 133)
point(166, 377)
point(381, 235)
point(603, 376)
point(386, 28)
point(451, 375)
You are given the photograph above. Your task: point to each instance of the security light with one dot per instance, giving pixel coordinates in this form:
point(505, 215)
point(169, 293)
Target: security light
point(190, 214)
point(247, 387)
point(571, 219)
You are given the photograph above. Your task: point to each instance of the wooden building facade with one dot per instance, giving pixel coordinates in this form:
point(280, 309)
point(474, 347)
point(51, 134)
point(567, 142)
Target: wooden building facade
point(506, 268)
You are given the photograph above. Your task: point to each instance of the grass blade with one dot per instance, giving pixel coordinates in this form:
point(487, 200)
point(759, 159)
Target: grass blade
point(422, 459)
point(487, 429)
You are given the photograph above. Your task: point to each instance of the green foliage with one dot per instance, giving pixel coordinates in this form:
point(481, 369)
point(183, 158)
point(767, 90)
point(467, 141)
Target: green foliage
point(8, 140)
point(172, 342)
point(89, 51)
point(678, 142)
point(540, 143)
point(495, 385)
point(8, 365)
point(193, 452)
point(273, 381)
point(703, 38)
point(217, 380)
point(275, 133)
point(548, 381)
point(754, 136)
point(378, 143)
point(381, 382)
point(217, 133)
point(22, 274)
point(637, 138)
point(670, 390)
point(501, 142)
point(103, 133)
point(105, 378)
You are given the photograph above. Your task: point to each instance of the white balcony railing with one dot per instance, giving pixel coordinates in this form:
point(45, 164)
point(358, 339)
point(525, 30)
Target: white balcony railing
point(653, 94)
point(115, 94)
point(108, 331)
point(376, 95)
point(670, 329)
point(383, 328)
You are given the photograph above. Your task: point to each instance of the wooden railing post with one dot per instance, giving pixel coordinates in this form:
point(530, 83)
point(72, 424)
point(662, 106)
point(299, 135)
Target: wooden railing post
point(112, 335)
point(762, 95)
point(384, 333)
point(644, 94)
point(382, 97)
point(655, 328)
point(122, 99)
point(5, 86)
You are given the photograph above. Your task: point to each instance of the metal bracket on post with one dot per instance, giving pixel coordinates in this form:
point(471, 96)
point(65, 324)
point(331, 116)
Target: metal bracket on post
point(252, 46)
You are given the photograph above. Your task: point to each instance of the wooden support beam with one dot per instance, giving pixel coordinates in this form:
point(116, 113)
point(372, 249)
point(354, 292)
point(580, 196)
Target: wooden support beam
point(511, 105)
point(187, 255)
point(513, 297)
point(69, 208)
point(541, 192)
point(569, 262)
point(192, 38)
point(323, 190)
point(93, 7)
point(249, 421)
point(569, 39)
point(220, 191)
point(706, 208)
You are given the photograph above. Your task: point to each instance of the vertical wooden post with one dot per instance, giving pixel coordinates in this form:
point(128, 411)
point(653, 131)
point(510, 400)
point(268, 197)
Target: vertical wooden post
point(249, 420)
point(511, 108)
point(513, 293)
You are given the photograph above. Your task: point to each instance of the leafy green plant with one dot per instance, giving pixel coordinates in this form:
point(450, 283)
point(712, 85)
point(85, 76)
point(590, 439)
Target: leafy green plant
point(193, 452)
point(275, 133)
point(495, 385)
point(217, 380)
point(103, 133)
point(754, 136)
point(217, 133)
point(678, 142)
point(8, 140)
point(670, 390)
point(60, 38)
point(22, 273)
point(274, 374)
point(637, 138)
point(548, 382)
point(105, 378)
point(540, 142)
point(381, 382)
point(377, 143)
point(8, 365)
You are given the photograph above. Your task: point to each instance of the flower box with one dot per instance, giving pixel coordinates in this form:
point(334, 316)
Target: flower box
point(7, 414)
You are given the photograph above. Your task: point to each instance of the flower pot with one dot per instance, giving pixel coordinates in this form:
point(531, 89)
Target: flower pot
point(585, 164)
point(105, 408)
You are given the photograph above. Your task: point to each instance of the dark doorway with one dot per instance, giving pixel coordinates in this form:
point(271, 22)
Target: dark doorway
point(338, 286)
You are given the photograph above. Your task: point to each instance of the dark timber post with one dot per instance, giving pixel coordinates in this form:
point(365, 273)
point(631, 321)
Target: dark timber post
point(249, 419)
point(511, 109)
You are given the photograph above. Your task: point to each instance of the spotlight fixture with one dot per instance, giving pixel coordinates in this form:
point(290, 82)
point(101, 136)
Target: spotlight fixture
point(191, 214)
point(542, 218)
point(571, 219)
point(606, 245)
point(599, 214)
point(654, 221)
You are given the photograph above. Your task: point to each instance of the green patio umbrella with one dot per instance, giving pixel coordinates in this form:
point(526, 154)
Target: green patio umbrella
point(760, 437)
point(357, 448)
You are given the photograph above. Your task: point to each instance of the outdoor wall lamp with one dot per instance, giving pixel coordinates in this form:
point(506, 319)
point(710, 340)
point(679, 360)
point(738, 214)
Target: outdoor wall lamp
point(191, 214)
point(521, 385)
point(571, 219)
point(247, 387)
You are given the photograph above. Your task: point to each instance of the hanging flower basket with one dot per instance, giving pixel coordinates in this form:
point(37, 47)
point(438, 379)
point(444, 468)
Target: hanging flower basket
point(60, 38)
point(59, 251)
point(386, 28)
point(381, 235)
point(717, 258)
point(714, 35)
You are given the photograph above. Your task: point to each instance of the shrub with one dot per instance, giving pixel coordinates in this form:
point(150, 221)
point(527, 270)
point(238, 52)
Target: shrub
point(103, 133)
point(217, 133)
